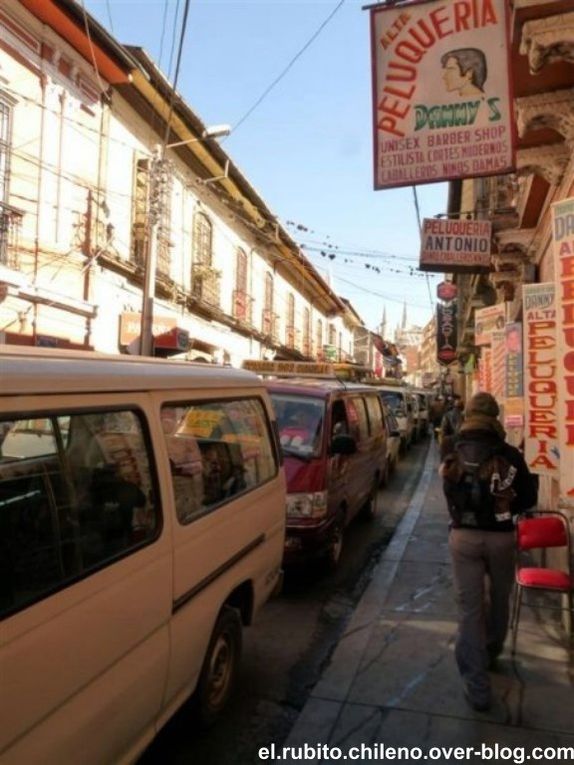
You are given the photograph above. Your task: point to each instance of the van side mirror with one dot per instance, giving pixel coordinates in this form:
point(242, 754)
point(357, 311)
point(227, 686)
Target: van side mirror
point(395, 434)
point(343, 444)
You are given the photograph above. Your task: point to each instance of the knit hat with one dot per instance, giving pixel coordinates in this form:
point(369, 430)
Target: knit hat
point(482, 403)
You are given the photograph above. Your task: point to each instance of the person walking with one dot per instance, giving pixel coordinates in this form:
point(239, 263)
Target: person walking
point(452, 419)
point(486, 484)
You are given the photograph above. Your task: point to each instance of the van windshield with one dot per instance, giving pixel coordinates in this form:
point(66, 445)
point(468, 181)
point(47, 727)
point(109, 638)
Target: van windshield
point(395, 402)
point(300, 421)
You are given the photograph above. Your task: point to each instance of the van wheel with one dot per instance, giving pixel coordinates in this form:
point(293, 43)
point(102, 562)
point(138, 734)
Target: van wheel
point(372, 506)
point(335, 546)
point(219, 666)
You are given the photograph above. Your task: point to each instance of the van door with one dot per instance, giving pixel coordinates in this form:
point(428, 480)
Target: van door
point(85, 583)
point(365, 463)
point(228, 540)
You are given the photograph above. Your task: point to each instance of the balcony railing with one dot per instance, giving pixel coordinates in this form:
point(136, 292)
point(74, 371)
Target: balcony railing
point(242, 306)
point(10, 224)
point(205, 284)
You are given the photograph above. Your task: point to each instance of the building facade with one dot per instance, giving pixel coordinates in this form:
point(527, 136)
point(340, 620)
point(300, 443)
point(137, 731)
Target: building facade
point(92, 192)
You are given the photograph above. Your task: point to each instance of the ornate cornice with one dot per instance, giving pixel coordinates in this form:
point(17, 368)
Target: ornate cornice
point(553, 110)
point(505, 283)
point(549, 162)
point(547, 40)
point(508, 261)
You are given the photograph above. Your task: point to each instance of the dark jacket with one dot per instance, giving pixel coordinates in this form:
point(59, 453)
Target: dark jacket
point(524, 483)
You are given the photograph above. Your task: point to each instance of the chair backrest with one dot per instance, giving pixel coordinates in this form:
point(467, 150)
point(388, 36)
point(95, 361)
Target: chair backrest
point(542, 531)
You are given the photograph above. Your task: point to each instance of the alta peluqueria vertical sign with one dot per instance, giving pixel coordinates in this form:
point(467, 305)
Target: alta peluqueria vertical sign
point(541, 450)
point(441, 91)
point(563, 242)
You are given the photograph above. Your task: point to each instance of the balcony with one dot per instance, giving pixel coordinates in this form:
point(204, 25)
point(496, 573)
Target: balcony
point(10, 223)
point(205, 284)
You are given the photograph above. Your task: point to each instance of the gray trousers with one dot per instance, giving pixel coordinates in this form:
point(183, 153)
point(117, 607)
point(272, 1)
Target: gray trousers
point(483, 574)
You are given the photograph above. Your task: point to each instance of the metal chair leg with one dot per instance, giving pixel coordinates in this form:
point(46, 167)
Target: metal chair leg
point(516, 616)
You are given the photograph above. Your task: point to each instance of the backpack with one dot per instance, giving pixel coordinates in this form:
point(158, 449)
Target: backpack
point(478, 484)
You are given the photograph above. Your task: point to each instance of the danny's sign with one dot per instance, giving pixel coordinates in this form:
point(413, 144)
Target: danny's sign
point(441, 93)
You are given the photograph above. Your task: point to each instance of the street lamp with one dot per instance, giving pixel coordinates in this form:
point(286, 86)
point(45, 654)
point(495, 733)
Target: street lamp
point(156, 179)
point(214, 131)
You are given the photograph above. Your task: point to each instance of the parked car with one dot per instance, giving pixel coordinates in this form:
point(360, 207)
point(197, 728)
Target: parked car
point(142, 519)
point(335, 450)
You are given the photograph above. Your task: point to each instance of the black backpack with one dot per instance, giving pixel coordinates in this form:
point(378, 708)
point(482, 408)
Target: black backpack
point(478, 485)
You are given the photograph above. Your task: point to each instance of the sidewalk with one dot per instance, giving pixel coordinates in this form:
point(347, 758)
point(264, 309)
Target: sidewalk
point(392, 678)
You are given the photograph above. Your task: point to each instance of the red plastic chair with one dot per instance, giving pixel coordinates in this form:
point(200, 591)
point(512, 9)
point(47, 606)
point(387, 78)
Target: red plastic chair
point(540, 531)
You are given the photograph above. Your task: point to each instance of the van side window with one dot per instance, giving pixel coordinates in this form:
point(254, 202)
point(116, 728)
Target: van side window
point(358, 418)
point(375, 413)
point(76, 493)
point(216, 449)
point(339, 423)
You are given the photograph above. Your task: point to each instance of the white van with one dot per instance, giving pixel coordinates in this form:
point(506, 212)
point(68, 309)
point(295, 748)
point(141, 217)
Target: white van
point(142, 521)
point(398, 400)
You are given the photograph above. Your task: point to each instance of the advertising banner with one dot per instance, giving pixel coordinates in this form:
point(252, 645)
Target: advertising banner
point(455, 246)
point(514, 374)
point(498, 347)
point(446, 333)
point(485, 371)
point(441, 93)
point(486, 320)
point(541, 431)
point(563, 239)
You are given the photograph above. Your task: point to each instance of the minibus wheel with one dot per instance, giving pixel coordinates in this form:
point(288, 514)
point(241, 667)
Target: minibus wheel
point(335, 546)
point(219, 666)
point(371, 507)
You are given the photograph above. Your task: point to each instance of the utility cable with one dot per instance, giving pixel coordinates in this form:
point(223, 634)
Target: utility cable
point(177, 68)
point(291, 63)
point(419, 222)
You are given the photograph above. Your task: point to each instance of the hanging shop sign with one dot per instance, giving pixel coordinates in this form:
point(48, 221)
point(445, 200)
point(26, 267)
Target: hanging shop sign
point(541, 428)
point(441, 91)
point(487, 320)
point(563, 239)
point(446, 333)
point(485, 370)
point(446, 291)
point(514, 379)
point(456, 246)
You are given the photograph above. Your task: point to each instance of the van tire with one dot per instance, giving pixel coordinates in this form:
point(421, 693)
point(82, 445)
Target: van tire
point(335, 546)
point(220, 665)
point(371, 508)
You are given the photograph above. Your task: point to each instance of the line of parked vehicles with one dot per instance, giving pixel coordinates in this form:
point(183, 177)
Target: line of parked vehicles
point(146, 511)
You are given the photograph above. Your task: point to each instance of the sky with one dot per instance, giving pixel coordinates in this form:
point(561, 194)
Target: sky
point(307, 146)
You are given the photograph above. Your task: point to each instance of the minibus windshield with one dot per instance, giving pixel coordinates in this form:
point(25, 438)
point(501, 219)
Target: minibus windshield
point(300, 422)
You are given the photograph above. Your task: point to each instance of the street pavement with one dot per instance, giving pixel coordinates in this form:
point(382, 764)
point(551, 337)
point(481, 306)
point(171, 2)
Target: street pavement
point(392, 678)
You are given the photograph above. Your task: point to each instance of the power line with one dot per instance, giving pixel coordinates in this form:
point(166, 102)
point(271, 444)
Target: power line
point(109, 10)
point(280, 76)
point(419, 222)
point(177, 68)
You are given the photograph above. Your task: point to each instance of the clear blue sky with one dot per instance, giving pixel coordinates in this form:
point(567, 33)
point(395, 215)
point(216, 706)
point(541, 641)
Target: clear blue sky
point(307, 148)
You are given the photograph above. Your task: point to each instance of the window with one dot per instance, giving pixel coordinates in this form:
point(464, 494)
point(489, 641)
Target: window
point(358, 421)
point(375, 413)
point(319, 340)
point(216, 450)
point(241, 300)
point(5, 147)
point(300, 423)
point(202, 240)
point(76, 494)
point(290, 326)
point(268, 321)
point(10, 219)
point(306, 332)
